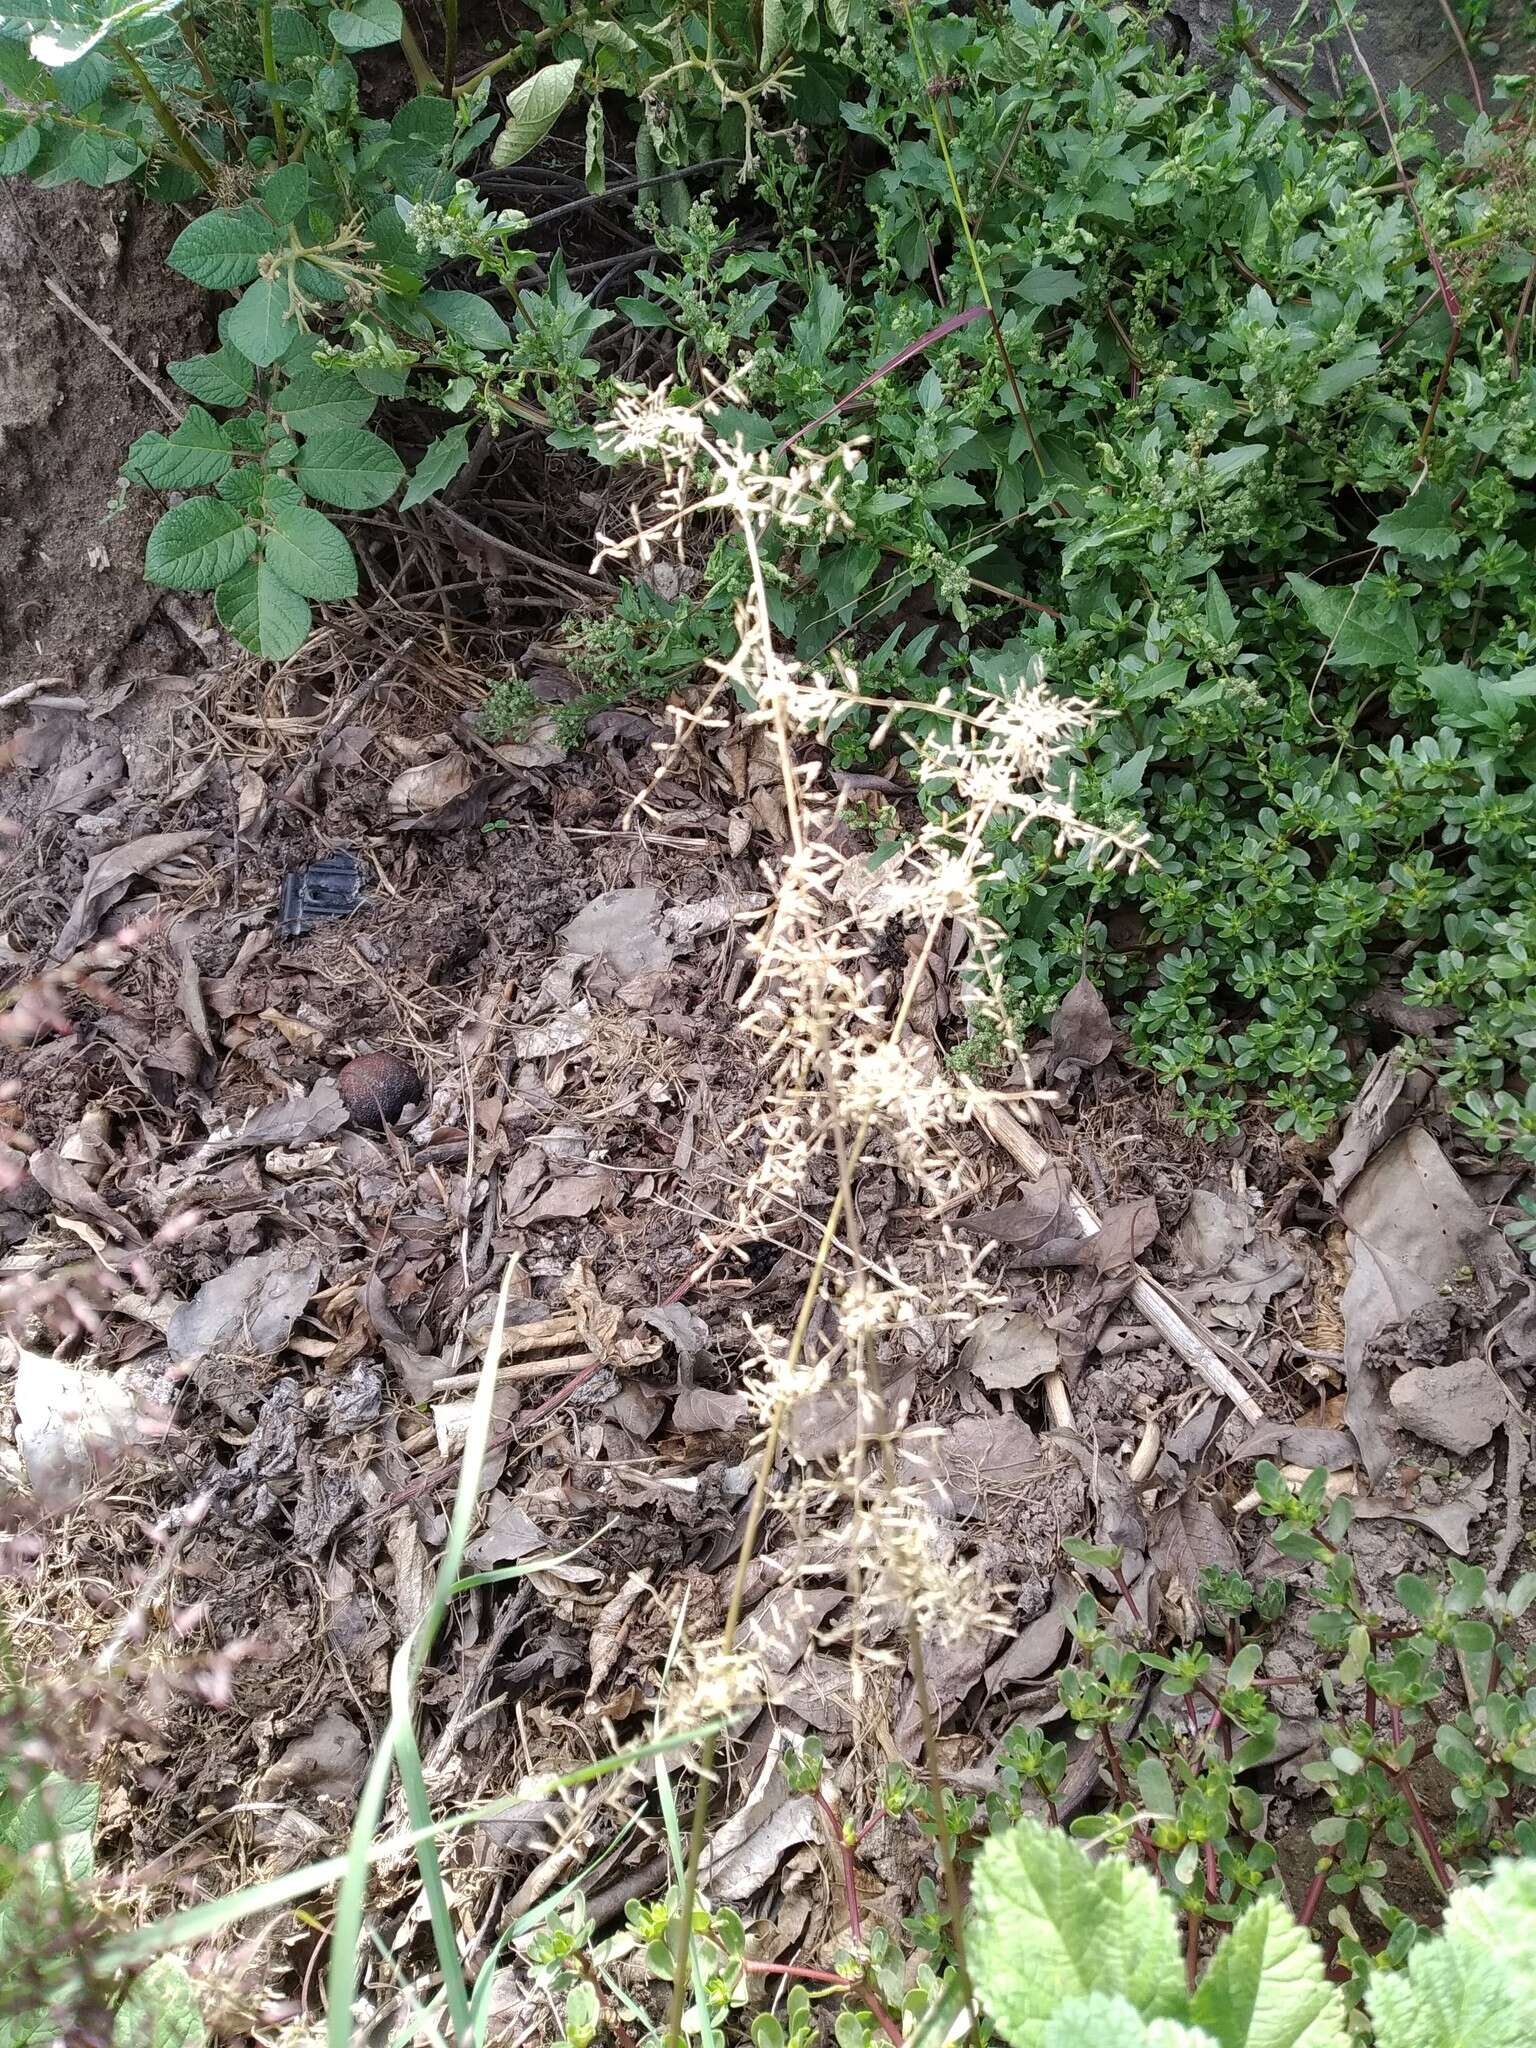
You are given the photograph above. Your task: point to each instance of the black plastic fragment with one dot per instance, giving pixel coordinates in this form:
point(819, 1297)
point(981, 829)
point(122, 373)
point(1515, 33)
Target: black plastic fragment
point(327, 888)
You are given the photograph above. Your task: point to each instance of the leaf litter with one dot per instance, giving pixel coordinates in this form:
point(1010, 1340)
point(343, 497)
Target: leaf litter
point(263, 1323)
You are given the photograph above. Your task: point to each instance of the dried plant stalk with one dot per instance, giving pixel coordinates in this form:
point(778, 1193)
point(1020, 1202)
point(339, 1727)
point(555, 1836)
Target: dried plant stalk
point(848, 1080)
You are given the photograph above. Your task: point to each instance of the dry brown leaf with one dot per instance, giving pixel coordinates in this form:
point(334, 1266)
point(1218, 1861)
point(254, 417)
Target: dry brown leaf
point(1081, 1033)
point(250, 1307)
point(109, 878)
point(699, 1409)
point(1011, 1348)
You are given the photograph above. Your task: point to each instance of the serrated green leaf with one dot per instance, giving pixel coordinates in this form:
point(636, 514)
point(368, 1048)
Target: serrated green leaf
point(54, 1810)
point(222, 378)
point(159, 2010)
point(20, 140)
point(316, 400)
point(197, 545)
point(533, 109)
point(284, 194)
point(1473, 1984)
point(467, 317)
point(262, 613)
point(311, 554)
point(294, 36)
point(775, 32)
point(261, 326)
point(223, 249)
point(350, 467)
point(1048, 1924)
point(437, 468)
point(1265, 1987)
point(367, 26)
point(1421, 527)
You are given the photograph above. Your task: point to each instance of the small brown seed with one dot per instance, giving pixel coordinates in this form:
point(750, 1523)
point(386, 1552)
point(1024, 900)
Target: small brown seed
point(376, 1086)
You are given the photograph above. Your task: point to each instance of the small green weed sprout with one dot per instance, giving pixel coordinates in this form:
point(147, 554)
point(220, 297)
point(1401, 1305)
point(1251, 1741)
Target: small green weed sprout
point(509, 710)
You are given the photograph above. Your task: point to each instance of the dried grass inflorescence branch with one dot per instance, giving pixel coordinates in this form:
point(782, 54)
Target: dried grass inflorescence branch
point(849, 1079)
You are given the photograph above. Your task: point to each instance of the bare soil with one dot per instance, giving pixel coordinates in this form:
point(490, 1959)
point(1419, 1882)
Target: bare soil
point(76, 604)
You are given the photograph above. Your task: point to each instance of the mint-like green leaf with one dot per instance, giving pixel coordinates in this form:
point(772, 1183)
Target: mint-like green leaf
point(223, 378)
point(223, 249)
point(350, 467)
point(533, 109)
point(313, 556)
point(159, 2010)
point(284, 194)
point(53, 1811)
point(437, 468)
point(367, 26)
point(294, 36)
point(467, 317)
point(1265, 1988)
point(261, 326)
point(775, 32)
point(197, 545)
point(1048, 1924)
point(1421, 527)
point(257, 606)
point(20, 140)
point(316, 400)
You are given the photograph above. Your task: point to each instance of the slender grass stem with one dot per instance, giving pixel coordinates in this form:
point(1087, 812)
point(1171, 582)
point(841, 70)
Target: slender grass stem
point(269, 72)
point(422, 74)
point(199, 165)
point(977, 267)
point(450, 43)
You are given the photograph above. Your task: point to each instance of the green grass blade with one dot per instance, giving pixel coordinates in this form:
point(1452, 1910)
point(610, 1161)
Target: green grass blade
point(351, 1902)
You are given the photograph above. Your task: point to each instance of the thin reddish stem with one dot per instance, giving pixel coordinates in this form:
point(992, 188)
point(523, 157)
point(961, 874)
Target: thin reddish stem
point(1314, 1893)
point(800, 1971)
point(844, 1849)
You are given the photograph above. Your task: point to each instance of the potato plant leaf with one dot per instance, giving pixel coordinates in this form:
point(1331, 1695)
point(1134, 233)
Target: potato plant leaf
point(367, 26)
point(313, 556)
point(223, 378)
point(223, 249)
point(261, 326)
point(349, 467)
point(317, 400)
point(197, 545)
point(262, 612)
